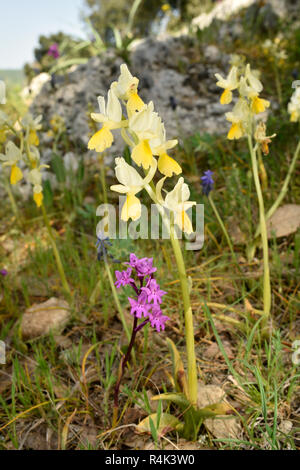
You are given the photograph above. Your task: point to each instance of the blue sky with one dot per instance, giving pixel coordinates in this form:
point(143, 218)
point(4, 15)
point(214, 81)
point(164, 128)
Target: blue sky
point(23, 21)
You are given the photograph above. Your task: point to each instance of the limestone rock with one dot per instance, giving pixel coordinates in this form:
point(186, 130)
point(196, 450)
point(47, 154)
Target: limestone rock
point(182, 93)
point(30, 92)
point(40, 319)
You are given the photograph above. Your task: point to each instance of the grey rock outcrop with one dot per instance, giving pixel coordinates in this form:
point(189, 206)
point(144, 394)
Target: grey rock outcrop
point(184, 92)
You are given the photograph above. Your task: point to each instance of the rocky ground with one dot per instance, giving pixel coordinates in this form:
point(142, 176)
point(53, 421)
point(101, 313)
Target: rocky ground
point(176, 73)
point(184, 93)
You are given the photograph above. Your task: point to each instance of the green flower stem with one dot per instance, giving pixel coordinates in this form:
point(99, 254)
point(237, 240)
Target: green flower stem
point(283, 189)
point(56, 253)
point(12, 199)
point(224, 230)
point(103, 182)
point(188, 314)
point(188, 319)
point(131, 17)
point(263, 228)
point(121, 373)
point(126, 138)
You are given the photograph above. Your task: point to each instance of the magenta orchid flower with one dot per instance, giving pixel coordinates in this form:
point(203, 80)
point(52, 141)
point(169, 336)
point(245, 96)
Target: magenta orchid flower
point(123, 278)
point(153, 291)
point(54, 51)
point(157, 319)
point(140, 307)
point(149, 295)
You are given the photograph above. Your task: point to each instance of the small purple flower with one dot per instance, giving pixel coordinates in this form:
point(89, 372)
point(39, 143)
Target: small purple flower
point(140, 307)
point(53, 50)
point(3, 272)
point(103, 245)
point(144, 267)
point(153, 292)
point(207, 182)
point(123, 278)
point(133, 260)
point(157, 319)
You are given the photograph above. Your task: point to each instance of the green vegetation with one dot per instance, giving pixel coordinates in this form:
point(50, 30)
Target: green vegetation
point(56, 390)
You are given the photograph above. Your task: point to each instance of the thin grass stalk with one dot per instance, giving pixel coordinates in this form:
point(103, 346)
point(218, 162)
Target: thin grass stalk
point(56, 253)
point(214, 208)
point(188, 314)
point(12, 199)
point(116, 298)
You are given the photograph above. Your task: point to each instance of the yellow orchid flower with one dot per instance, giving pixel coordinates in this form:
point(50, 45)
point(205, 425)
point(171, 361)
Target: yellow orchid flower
point(111, 117)
point(34, 157)
point(229, 84)
point(131, 184)
point(35, 178)
point(142, 124)
point(258, 105)
point(261, 137)
point(177, 201)
point(250, 87)
point(238, 117)
point(253, 79)
point(166, 7)
point(32, 125)
point(126, 89)
point(57, 124)
point(159, 145)
point(294, 106)
point(151, 134)
point(238, 61)
point(12, 156)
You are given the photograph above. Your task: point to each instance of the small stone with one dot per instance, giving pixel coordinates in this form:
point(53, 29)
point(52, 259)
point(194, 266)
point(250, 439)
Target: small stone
point(40, 319)
point(212, 54)
point(285, 426)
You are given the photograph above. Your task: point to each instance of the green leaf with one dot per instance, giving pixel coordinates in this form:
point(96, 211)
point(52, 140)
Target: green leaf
point(48, 193)
point(177, 398)
point(167, 423)
point(159, 412)
point(58, 167)
point(118, 38)
point(80, 171)
point(99, 42)
point(153, 429)
point(210, 411)
point(178, 369)
point(193, 418)
point(66, 64)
